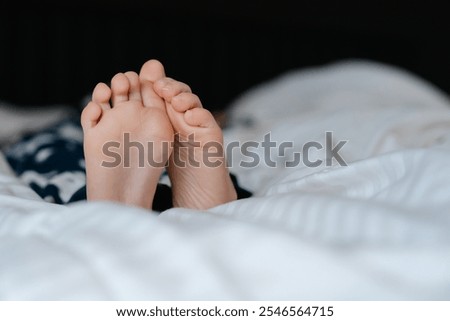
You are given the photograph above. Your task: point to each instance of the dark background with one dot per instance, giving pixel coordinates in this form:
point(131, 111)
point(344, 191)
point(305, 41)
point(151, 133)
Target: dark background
point(56, 51)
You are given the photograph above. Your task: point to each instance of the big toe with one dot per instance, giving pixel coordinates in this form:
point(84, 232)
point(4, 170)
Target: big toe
point(199, 117)
point(150, 72)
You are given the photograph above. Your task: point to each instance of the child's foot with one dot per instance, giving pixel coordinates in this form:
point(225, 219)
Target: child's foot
point(198, 182)
point(124, 141)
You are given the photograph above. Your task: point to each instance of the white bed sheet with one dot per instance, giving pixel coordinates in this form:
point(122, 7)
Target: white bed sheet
point(377, 229)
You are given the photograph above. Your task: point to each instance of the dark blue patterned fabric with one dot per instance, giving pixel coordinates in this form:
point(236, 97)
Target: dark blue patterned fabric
point(51, 162)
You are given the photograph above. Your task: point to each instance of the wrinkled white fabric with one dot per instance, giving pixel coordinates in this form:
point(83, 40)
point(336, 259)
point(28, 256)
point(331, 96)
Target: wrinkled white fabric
point(376, 229)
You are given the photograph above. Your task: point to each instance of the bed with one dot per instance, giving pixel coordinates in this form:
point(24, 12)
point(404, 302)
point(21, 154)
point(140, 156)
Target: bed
point(377, 228)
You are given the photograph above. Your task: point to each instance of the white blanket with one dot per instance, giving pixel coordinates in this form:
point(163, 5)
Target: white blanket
point(377, 229)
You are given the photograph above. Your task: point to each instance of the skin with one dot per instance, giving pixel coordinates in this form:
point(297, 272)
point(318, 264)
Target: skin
point(151, 107)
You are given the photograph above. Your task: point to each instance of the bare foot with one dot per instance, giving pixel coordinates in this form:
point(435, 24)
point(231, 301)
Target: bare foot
point(117, 169)
point(198, 181)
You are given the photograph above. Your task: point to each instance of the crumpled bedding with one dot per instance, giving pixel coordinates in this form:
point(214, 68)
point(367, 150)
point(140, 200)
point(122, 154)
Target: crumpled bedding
point(376, 229)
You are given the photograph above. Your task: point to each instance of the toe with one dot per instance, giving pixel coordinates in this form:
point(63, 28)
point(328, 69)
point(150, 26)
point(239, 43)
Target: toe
point(91, 115)
point(185, 101)
point(120, 87)
point(150, 72)
point(169, 88)
point(135, 88)
point(102, 95)
point(200, 117)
